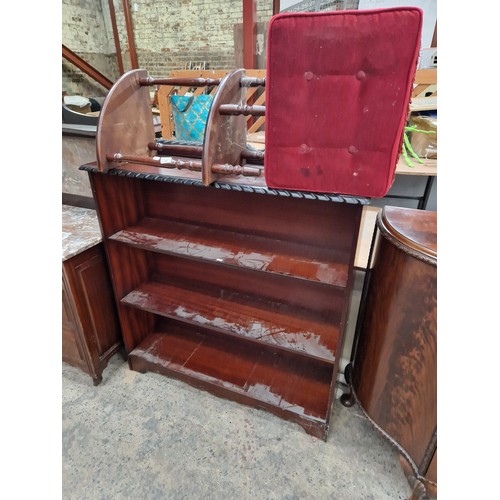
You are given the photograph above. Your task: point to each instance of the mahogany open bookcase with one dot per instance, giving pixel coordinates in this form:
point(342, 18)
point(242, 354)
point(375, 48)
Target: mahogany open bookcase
point(239, 293)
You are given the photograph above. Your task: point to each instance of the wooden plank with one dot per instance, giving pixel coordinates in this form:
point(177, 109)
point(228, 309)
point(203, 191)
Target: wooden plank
point(240, 316)
point(296, 385)
point(249, 33)
point(308, 299)
point(423, 104)
point(235, 249)
point(225, 135)
point(427, 76)
point(366, 230)
point(126, 120)
point(428, 168)
point(238, 368)
point(257, 138)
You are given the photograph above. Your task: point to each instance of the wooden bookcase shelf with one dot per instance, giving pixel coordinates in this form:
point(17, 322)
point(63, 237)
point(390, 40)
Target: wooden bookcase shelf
point(239, 293)
point(237, 249)
point(273, 323)
point(297, 388)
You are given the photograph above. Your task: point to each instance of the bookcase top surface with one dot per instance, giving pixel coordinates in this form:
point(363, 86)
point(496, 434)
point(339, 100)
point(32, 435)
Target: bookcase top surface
point(243, 184)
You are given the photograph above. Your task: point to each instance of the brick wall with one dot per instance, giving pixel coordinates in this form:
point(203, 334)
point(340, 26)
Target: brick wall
point(168, 34)
point(75, 82)
point(86, 29)
point(322, 5)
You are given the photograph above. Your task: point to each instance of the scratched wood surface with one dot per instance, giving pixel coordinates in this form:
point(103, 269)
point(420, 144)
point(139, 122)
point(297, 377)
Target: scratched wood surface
point(242, 294)
point(394, 371)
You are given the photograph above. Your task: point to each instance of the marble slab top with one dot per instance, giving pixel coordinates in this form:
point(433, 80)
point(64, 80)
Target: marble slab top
point(80, 230)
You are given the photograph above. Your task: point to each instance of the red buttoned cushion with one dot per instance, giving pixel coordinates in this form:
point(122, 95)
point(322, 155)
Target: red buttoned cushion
point(338, 88)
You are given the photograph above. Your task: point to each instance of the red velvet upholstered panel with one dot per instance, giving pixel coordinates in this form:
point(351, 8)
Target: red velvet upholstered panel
point(338, 89)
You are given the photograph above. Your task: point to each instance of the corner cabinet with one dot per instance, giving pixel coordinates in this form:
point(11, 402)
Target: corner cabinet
point(394, 370)
point(237, 290)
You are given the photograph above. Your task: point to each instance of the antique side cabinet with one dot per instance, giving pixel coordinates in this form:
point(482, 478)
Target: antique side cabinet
point(90, 326)
point(394, 368)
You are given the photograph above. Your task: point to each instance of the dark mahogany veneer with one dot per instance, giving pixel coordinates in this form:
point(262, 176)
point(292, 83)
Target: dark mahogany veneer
point(90, 326)
point(394, 372)
point(238, 293)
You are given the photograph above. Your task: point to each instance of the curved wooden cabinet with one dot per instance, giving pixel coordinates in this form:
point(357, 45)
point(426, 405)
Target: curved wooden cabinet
point(394, 367)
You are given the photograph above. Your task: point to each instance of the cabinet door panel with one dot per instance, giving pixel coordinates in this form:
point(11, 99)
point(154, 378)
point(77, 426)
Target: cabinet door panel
point(70, 351)
point(91, 332)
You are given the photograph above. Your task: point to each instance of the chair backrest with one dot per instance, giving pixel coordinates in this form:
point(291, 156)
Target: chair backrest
point(255, 96)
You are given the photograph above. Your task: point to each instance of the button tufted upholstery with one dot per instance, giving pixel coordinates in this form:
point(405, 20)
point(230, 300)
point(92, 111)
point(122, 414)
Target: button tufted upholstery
point(337, 96)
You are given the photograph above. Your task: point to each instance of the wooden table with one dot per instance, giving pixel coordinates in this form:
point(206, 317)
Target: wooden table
point(428, 168)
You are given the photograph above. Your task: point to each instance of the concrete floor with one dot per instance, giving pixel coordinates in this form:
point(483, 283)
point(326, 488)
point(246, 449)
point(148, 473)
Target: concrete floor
point(145, 436)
